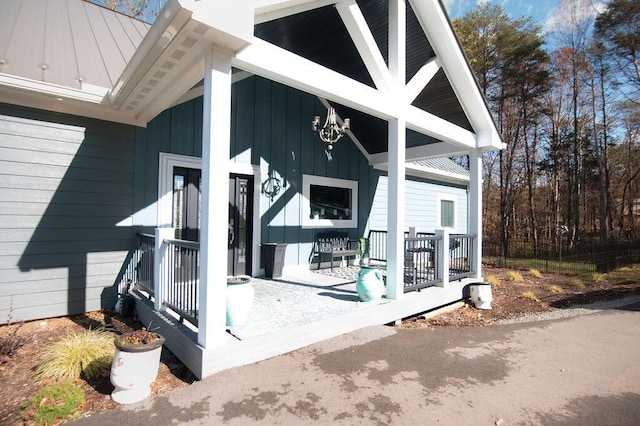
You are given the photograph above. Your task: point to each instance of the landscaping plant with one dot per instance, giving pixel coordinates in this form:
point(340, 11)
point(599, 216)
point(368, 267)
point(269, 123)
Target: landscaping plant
point(89, 352)
point(53, 403)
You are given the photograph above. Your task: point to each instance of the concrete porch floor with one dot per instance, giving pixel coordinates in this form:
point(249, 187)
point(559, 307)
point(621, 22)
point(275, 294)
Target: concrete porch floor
point(300, 308)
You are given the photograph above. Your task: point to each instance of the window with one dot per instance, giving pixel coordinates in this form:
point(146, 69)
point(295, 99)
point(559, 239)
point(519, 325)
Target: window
point(329, 202)
point(447, 212)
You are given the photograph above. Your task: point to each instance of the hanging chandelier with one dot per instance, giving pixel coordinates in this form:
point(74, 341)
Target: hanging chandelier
point(331, 132)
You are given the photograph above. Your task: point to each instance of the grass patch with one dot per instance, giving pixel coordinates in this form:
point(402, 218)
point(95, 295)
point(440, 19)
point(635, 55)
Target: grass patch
point(535, 273)
point(598, 278)
point(530, 295)
point(53, 403)
point(627, 275)
point(89, 352)
point(514, 276)
point(576, 282)
point(555, 289)
point(493, 280)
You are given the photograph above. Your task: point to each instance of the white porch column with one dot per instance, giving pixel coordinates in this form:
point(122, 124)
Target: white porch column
point(216, 137)
point(442, 255)
point(397, 154)
point(395, 216)
point(475, 211)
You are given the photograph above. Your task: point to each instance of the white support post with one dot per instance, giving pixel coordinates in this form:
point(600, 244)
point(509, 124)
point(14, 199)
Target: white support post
point(216, 137)
point(397, 154)
point(160, 266)
point(395, 216)
point(475, 212)
point(443, 257)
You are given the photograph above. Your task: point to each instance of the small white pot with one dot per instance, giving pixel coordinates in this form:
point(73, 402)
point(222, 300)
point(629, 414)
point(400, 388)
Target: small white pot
point(133, 370)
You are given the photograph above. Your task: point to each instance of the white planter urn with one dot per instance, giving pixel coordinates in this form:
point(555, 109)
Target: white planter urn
point(134, 368)
point(481, 296)
point(240, 295)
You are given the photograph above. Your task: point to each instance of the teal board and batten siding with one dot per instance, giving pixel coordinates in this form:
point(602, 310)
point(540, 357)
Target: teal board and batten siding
point(65, 184)
point(271, 128)
point(421, 205)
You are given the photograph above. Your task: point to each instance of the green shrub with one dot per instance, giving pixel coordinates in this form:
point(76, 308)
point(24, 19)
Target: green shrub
point(89, 352)
point(52, 403)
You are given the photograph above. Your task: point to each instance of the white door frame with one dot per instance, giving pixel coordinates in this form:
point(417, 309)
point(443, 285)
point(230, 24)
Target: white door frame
point(165, 194)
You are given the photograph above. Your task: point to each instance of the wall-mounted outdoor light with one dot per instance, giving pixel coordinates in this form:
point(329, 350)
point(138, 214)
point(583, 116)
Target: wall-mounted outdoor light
point(331, 132)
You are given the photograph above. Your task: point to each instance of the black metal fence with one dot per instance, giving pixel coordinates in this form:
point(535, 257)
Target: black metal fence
point(556, 257)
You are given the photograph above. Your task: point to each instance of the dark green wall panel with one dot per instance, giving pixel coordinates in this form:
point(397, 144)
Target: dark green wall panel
point(273, 122)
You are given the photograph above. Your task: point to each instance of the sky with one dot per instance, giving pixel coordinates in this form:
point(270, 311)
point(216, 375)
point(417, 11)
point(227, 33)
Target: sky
point(543, 12)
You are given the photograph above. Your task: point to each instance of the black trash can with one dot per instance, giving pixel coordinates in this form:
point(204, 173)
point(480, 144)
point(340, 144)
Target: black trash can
point(273, 257)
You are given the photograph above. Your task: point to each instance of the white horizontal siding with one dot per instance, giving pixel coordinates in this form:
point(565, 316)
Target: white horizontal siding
point(421, 204)
point(63, 190)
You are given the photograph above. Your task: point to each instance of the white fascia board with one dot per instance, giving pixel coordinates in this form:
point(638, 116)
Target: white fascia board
point(277, 64)
point(420, 80)
point(88, 93)
point(438, 30)
point(429, 124)
point(171, 20)
point(361, 35)
point(231, 22)
point(269, 10)
point(55, 103)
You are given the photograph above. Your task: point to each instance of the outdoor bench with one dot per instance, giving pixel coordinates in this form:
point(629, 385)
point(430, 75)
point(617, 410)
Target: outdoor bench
point(335, 244)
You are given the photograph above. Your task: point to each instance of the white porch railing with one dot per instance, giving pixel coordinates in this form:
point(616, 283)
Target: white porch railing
point(425, 261)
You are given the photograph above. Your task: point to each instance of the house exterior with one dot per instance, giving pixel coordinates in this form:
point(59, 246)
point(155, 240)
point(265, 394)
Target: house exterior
point(197, 128)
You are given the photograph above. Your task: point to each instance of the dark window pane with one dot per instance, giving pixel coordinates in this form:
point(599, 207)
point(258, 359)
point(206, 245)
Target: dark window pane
point(329, 202)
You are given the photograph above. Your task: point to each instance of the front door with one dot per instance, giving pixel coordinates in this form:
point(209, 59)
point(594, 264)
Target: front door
point(240, 224)
point(187, 207)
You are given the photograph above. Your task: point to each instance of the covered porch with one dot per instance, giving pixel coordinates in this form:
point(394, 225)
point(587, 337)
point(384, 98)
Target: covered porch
point(301, 307)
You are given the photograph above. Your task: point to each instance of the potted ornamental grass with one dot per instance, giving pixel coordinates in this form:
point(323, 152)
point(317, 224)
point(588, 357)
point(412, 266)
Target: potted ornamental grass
point(135, 365)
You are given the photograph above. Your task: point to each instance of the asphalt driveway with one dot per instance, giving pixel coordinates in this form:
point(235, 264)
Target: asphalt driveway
point(581, 370)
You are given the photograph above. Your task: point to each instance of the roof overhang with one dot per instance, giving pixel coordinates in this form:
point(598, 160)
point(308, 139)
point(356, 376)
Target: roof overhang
point(440, 102)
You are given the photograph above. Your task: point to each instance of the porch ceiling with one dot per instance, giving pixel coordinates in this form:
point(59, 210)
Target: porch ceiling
point(320, 36)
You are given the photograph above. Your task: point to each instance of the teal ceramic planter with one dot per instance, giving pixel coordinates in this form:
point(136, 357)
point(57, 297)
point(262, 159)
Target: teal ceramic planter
point(370, 285)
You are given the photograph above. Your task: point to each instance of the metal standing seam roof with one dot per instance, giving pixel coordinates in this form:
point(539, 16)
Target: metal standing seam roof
point(442, 164)
point(69, 43)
